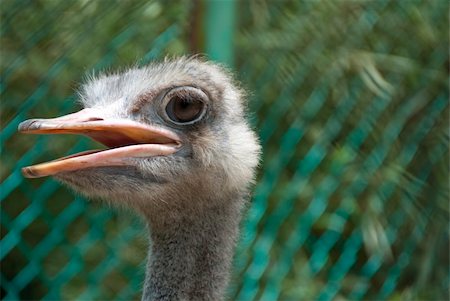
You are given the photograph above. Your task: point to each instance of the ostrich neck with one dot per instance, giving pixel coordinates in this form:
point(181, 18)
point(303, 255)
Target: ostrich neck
point(190, 254)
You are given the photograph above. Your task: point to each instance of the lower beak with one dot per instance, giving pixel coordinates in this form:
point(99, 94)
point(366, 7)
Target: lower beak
point(126, 139)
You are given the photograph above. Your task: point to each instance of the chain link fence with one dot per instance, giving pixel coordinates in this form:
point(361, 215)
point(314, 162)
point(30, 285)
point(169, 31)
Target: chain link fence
point(350, 99)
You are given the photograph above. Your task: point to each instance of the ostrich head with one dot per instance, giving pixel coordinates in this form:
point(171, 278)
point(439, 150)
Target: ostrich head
point(179, 151)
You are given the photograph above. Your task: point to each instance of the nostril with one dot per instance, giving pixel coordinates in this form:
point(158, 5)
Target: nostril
point(95, 119)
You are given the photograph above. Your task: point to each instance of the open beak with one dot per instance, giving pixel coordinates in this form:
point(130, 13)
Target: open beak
point(125, 139)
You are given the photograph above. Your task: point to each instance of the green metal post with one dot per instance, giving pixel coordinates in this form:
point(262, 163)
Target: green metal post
point(219, 26)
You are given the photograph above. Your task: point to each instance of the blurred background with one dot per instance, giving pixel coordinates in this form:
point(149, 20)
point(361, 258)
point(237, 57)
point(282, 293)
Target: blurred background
point(350, 99)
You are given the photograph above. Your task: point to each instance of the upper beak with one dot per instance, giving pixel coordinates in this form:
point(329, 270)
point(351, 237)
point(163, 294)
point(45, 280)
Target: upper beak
point(129, 139)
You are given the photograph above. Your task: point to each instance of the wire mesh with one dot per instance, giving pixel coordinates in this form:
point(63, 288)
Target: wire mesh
point(350, 99)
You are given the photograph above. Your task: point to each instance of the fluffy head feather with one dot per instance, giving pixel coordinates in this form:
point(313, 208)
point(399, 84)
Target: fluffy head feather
point(219, 153)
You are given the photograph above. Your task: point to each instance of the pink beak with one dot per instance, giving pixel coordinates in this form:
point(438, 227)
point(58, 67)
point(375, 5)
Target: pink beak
point(127, 140)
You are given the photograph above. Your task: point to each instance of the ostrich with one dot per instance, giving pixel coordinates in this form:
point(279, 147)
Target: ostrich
point(179, 152)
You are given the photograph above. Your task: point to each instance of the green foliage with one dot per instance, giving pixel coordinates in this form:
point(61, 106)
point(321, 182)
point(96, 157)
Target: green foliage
point(351, 99)
point(351, 102)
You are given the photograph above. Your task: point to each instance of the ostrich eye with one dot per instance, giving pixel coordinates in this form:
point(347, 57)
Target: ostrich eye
point(185, 108)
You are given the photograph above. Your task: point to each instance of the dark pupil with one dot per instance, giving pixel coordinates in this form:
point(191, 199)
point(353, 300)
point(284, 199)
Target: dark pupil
point(184, 110)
